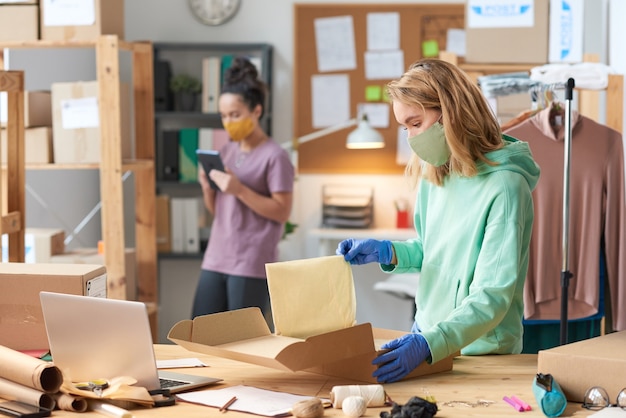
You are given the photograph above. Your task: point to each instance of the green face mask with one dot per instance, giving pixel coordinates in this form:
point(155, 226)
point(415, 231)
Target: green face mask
point(431, 145)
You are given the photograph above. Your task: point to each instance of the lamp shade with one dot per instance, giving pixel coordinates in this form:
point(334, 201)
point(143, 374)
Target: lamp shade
point(365, 137)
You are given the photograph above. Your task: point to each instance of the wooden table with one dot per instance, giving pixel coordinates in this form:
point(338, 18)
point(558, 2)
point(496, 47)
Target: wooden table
point(474, 388)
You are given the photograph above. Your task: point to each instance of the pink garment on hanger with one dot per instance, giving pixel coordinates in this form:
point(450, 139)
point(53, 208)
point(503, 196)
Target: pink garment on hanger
point(597, 218)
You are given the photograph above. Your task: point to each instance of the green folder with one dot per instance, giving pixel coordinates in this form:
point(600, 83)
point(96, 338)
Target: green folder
point(187, 159)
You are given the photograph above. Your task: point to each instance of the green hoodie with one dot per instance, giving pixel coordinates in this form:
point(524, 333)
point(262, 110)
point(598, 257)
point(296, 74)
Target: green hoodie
point(471, 250)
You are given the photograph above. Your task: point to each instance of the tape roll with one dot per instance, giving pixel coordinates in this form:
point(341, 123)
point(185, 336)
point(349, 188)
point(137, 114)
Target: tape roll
point(374, 395)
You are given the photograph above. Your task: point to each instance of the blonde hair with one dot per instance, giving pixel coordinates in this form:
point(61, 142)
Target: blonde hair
point(469, 124)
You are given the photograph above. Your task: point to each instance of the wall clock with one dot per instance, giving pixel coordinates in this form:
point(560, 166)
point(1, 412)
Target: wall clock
point(214, 12)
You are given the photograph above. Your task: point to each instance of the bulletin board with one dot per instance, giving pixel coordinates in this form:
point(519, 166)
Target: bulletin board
point(328, 154)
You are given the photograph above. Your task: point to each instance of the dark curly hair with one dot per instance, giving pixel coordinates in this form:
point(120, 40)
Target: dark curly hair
point(242, 78)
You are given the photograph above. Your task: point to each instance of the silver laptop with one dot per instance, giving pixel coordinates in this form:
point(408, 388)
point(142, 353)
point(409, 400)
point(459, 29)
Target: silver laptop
point(92, 338)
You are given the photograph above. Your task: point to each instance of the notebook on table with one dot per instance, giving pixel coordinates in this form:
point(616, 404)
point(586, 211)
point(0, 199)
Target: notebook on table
point(92, 338)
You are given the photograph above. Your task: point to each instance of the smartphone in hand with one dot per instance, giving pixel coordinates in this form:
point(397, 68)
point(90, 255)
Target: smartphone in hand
point(210, 160)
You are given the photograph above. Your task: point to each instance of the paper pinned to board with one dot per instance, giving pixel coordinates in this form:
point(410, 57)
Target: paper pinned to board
point(311, 296)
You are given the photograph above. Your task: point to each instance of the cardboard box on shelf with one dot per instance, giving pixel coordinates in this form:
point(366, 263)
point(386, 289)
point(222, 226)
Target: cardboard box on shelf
point(243, 335)
point(499, 35)
point(40, 244)
point(37, 108)
point(76, 122)
point(599, 361)
point(92, 256)
point(37, 145)
point(19, 22)
point(90, 19)
point(22, 326)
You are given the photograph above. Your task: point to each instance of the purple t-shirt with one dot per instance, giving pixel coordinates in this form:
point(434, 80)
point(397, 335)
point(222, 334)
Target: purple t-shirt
point(242, 241)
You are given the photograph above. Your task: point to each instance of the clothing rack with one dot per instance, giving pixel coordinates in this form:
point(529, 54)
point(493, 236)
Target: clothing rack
point(566, 274)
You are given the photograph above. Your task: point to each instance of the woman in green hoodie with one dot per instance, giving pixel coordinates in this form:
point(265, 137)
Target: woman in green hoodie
point(473, 217)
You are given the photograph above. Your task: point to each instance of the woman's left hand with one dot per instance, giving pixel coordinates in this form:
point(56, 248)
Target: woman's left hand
point(226, 181)
point(407, 352)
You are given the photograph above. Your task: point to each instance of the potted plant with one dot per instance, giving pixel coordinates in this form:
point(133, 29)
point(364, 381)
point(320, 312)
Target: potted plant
point(186, 89)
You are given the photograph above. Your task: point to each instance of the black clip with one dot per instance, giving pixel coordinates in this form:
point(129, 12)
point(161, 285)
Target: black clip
point(544, 381)
point(162, 397)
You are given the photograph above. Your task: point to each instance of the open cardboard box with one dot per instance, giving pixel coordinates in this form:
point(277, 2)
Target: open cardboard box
point(243, 335)
point(599, 361)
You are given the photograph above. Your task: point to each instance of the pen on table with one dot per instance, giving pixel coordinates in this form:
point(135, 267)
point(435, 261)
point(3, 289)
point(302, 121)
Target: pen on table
point(521, 402)
point(514, 404)
point(224, 407)
point(110, 410)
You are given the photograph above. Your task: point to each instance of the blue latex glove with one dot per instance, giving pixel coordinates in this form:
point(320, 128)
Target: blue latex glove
point(407, 352)
point(365, 251)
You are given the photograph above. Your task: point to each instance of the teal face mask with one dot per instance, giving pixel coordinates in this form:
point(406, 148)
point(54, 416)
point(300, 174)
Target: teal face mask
point(431, 145)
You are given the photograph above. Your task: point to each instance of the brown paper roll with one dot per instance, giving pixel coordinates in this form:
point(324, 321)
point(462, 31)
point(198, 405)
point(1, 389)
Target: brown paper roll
point(71, 403)
point(29, 371)
point(14, 391)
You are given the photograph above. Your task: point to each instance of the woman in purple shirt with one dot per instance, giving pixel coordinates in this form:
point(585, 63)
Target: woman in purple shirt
point(252, 204)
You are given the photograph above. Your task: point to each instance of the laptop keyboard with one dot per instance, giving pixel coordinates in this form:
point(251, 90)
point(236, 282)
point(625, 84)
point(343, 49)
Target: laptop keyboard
point(169, 383)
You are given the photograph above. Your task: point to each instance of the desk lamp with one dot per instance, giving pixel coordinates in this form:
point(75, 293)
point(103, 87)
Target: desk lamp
point(363, 137)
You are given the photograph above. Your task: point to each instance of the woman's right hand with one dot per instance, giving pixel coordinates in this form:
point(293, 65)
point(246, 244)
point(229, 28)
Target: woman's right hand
point(365, 251)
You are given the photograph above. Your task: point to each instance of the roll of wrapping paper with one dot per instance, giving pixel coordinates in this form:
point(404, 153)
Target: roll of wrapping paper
point(29, 371)
point(71, 403)
point(14, 391)
point(374, 395)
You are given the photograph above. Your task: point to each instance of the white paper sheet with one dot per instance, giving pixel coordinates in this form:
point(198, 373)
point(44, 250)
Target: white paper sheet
point(334, 41)
point(80, 113)
point(455, 41)
point(330, 96)
point(384, 65)
point(377, 114)
point(383, 31)
point(180, 362)
point(69, 12)
point(249, 399)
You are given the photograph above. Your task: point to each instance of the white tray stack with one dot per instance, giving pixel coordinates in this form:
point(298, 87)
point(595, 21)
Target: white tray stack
point(347, 206)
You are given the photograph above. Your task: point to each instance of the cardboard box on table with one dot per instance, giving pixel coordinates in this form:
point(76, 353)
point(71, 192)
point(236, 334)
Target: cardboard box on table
point(22, 326)
point(243, 335)
point(599, 361)
point(92, 256)
point(314, 309)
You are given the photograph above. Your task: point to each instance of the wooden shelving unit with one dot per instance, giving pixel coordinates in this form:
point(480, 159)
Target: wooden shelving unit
point(112, 166)
point(13, 221)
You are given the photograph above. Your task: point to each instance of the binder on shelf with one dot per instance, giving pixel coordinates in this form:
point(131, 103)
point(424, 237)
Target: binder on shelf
point(167, 156)
point(192, 232)
point(205, 138)
point(187, 159)
point(226, 62)
point(211, 82)
point(163, 98)
point(177, 224)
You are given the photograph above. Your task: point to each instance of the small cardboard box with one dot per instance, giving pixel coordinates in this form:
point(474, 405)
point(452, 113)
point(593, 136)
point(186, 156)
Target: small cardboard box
point(599, 361)
point(37, 145)
point(22, 326)
point(91, 256)
point(243, 335)
point(76, 122)
point(40, 244)
point(37, 108)
point(19, 22)
point(90, 19)
point(502, 34)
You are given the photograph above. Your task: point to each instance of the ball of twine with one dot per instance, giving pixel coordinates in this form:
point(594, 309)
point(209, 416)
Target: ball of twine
point(308, 408)
point(354, 406)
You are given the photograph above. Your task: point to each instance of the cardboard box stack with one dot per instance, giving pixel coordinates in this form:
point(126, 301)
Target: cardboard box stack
point(19, 20)
point(76, 122)
point(41, 244)
point(37, 127)
point(85, 22)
